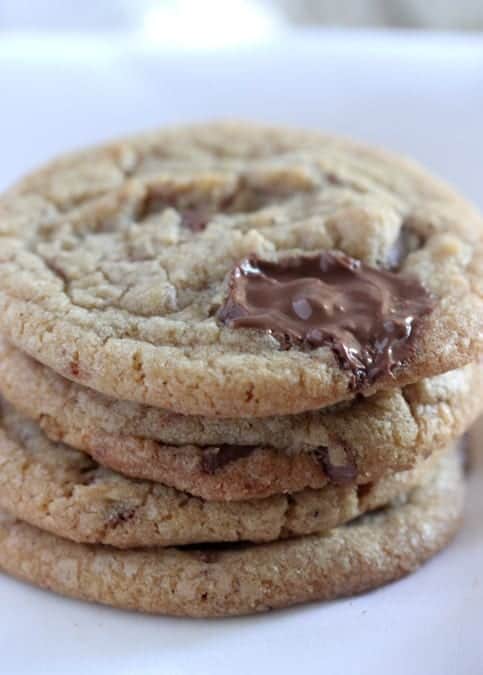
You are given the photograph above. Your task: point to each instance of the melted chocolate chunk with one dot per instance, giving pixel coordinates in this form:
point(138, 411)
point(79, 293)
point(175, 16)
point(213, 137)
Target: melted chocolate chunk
point(337, 462)
point(215, 458)
point(367, 316)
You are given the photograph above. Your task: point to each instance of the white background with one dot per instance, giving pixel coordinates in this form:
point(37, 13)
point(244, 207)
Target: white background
point(419, 95)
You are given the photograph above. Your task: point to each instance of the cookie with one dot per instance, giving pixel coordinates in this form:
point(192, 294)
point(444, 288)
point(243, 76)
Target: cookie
point(236, 270)
point(223, 459)
point(63, 491)
point(246, 578)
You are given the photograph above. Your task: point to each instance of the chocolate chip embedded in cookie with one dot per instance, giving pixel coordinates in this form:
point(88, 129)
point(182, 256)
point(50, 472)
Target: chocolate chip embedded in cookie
point(114, 264)
point(368, 317)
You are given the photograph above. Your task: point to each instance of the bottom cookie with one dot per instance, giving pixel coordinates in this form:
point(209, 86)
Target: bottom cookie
point(223, 580)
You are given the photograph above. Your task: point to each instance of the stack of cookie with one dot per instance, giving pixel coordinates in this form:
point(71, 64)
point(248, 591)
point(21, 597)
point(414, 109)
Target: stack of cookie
point(235, 365)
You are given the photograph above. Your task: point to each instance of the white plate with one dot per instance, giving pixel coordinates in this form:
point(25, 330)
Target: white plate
point(422, 95)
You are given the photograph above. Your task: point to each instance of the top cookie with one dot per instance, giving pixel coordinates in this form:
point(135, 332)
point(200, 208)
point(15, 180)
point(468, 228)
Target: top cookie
point(237, 270)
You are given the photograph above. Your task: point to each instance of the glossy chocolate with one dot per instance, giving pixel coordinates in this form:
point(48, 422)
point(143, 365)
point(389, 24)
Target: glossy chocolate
point(367, 316)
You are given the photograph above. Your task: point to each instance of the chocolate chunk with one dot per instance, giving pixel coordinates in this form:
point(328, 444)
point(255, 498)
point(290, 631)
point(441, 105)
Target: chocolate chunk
point(337, 462)
point(215, 458)
point(367, 316)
